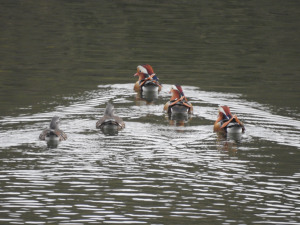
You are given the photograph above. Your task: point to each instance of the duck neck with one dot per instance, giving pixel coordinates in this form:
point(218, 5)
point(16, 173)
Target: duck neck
point(175, 95)
point(220, 117)
point(54, 126)
point(142, 76)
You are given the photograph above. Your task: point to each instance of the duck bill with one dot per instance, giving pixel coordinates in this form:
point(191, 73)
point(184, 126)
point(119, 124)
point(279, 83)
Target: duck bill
point(136, 74)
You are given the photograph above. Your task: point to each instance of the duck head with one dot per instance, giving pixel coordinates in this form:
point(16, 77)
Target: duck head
point(176, 91)
point(109, 110)
point(55, 122)
point(143, 71)
point(224, 112)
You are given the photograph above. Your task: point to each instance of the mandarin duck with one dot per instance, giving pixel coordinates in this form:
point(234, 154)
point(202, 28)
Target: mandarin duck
point(147, 81)
point(227, 122)
point(178, 102)
point(53, 133)
point(110, 120)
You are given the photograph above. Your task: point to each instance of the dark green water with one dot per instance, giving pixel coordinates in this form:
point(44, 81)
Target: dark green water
point(69, 58)
point(63, 48)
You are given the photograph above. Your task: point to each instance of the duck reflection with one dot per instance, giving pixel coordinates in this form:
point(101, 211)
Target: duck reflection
point(178, 119)
point(228, 142)
point(146, 97)
point(110, 130)
point(52, 143)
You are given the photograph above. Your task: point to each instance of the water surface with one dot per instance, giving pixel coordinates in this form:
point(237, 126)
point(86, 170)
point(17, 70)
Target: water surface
point(70, 58)
point(152, 172)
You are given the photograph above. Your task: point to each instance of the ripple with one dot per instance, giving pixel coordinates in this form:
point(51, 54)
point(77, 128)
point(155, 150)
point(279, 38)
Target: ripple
point(151, 170)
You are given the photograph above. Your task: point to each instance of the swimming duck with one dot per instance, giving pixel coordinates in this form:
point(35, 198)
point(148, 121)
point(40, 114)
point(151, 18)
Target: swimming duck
point(54, 133)
point(178, 102)
point(147, 81)
point(227, 122)
point(110, 120)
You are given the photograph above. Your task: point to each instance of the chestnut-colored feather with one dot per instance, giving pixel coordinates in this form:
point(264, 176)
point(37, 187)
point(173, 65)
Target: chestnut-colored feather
point(178, 102)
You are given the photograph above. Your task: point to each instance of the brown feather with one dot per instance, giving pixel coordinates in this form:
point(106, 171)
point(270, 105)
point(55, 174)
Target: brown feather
point(54, 130)
point(110, 118)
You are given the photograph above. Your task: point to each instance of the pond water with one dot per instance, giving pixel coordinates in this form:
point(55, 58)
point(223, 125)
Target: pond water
point(153, 171)
point(71, 58)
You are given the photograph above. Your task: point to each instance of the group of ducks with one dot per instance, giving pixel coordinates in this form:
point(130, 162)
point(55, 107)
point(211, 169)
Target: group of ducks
point(149, 82)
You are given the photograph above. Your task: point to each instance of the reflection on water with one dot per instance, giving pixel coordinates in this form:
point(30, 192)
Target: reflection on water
point(229, 142)
point(178, 119)
point(151, 172)
point(52, 143)
point(110, 130)
point(244, 54)
point(146, 97)
point(149, 96)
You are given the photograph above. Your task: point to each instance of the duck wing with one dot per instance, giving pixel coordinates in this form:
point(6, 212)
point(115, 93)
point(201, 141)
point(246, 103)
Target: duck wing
point(53, 133)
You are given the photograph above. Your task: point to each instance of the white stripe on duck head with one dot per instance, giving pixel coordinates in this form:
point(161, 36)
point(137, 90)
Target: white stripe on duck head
point(147, 71)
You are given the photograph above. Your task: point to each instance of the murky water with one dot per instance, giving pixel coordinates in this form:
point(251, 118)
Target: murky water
point(69, 58)
point(152, 172)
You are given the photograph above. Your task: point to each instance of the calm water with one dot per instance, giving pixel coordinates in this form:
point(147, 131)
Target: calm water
point(69, 59)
